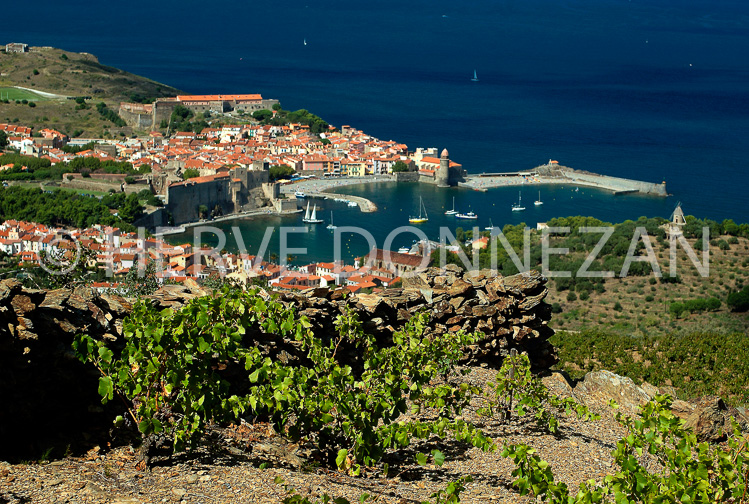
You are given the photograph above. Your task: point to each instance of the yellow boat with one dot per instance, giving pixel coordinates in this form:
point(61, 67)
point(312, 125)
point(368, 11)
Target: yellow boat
point(422, 217)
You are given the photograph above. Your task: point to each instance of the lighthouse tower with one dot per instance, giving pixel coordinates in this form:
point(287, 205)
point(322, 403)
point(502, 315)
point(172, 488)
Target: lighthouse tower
point(442, 176)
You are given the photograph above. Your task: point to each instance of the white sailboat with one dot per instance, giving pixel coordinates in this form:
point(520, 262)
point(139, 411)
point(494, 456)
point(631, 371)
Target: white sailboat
point(311, 218)
point(453, 211)
point(467, 215)
point(305, 41)
point(423, 217)
point(331, 225)
point(518, 207)
point(475, 77)
point(490, 227)
point(538, 202)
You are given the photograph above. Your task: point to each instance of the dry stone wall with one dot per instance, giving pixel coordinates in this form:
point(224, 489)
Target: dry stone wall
point(48, 397)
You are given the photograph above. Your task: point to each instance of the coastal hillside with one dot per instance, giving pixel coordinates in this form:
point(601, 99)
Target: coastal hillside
point(49, 76)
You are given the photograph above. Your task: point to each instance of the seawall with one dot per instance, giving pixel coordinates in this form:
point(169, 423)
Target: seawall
point(617, 184)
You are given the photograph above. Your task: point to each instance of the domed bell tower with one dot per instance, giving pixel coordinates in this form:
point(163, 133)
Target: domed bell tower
point(442, 176)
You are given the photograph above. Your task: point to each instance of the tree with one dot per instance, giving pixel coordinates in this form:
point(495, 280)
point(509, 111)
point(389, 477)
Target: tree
point(280, 172)
point(3, 140)
point(262, 115)
point(202, 211)
point(190, 173)
point(131, 210)
point(400, 166)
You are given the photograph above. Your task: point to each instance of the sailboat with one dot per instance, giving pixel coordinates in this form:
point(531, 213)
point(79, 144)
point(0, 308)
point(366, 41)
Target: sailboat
point(491, 226)
point(305, 41)
point(475, 77)
point(518, 207)
point(311, 218)
point(538, 202)
point(453, 211)
point(331, 225)
point(422, 217)
point(468, 215)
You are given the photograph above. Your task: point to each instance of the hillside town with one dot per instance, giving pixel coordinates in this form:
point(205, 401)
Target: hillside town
point(225, 169)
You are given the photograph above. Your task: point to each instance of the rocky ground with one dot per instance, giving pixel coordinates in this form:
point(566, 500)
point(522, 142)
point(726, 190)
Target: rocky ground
point(245, 461)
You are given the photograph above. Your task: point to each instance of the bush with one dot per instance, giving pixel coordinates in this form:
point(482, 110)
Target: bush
point(571, 296)
point(676, 309)
point(649, 298)
point(584, 295)
point(713, 304)
point(129, 180)
point(739, 301)
point(618, 306)
point(556, 308)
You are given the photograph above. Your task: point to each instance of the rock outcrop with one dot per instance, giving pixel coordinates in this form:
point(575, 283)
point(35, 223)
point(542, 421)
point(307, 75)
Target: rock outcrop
point(49, 397)
point(709, 417)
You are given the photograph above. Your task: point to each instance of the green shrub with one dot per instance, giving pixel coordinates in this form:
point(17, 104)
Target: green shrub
point(571, 296)
point(739, 301)
point(676, 309)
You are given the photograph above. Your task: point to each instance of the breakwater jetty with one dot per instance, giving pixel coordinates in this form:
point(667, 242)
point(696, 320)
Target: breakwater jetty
point(364, 204)
point(554, 173)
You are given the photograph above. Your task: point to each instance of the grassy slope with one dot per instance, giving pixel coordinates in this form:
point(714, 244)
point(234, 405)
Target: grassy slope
point(78, 75)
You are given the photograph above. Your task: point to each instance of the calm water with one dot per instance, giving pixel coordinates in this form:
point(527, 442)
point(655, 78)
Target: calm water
point(397, 202)
point(653, 90)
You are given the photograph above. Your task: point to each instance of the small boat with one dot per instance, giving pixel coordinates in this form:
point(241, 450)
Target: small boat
point(305, 41)
point(353, 203)
point(311, 218)
point(491, 226)
point(404, 250)
point(331, 225)
point(453, 211)
point(518, 207)
point(300, 195)
point(468, 215)
point(475, 77)
point(423, 217)
point(538, 202)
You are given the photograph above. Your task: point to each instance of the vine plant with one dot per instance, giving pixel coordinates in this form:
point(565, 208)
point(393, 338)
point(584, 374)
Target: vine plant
point(690, 472)
point(517, 390)
point(171, 374)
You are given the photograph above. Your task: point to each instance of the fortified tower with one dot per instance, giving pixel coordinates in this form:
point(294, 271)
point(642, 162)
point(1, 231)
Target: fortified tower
point(442, 177)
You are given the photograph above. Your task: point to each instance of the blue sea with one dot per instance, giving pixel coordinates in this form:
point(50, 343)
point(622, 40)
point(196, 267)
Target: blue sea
point(647, 89)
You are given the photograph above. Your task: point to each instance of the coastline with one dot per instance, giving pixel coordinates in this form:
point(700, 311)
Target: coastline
point(321, 189)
